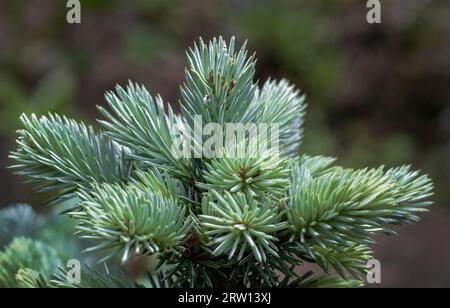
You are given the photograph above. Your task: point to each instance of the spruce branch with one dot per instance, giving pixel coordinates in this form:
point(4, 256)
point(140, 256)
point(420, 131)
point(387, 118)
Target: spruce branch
point(60, 154)
point(219, 83)
point(348, 206)
point(131, 220)
point(225, 220)
point(352, 259)
point(279, 102)
point(158, 183)
point(259, 174)
point(238, 221)
point(140, 123)
point(315, 165)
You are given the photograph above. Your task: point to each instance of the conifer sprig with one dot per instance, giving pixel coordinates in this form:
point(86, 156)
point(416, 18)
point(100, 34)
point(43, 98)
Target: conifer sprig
point(238, 221)
point(213, 221)
point(60, 154)
point(131, 220)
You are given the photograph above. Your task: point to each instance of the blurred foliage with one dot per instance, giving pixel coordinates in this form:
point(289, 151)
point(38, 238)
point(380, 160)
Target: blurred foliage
point(32, 245)
point(26, 254)
point(34, 249)
point(21, 220)
point(18, 220)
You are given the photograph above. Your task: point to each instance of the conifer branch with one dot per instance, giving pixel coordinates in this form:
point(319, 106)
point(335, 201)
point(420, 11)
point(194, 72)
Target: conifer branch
point(140, 123)
point(60, 154)
point(348, 206)
point(212, 221)
point(131, 220)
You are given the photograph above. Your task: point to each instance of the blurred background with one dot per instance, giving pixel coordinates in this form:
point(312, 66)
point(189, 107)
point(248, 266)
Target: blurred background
point(378, 94)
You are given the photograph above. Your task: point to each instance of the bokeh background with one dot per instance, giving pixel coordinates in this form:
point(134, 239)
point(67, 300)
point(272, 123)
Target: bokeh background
point(378, 94)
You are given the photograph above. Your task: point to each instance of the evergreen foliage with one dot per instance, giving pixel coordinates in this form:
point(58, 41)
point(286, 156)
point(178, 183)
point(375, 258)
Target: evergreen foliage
point(27, 258)
point(219, 222)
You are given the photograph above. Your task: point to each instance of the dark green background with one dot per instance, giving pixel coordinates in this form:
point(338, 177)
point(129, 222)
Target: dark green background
point(378, 94)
